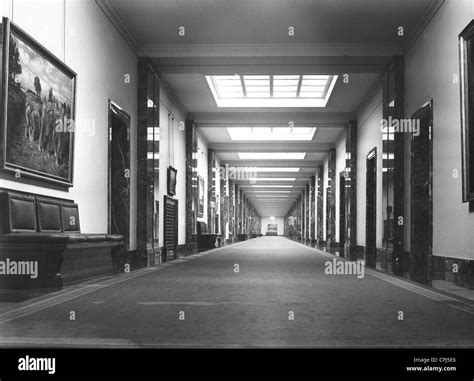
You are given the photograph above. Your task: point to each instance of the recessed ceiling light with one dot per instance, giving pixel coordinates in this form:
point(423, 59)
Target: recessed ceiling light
point(271, 133)
point(272, 155)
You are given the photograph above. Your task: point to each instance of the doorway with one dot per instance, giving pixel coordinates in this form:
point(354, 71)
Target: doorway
point(328, 218)
point(342, 213)
point(421, 194)
point(119, 173)
point(371, 208)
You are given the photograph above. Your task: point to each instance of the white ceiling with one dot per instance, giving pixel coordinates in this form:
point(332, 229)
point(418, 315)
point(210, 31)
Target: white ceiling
point(153, 22)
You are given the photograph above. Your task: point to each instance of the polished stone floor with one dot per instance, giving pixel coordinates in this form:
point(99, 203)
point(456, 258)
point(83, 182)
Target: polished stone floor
point(280, 297)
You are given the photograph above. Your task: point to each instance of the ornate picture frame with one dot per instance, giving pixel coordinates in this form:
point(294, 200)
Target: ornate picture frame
point(37, 111)
point(466, 66)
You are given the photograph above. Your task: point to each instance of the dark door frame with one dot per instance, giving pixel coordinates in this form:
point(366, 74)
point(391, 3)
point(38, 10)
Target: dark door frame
point(116, 110)
point(371, 247)
point(417, 260)
point(342, 213)
point(328, 217)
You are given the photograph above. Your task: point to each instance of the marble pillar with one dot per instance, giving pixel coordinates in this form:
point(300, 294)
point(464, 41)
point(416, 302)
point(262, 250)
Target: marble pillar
point(351, 190)
point(312, 206)
point(223, 205)
point(148, 88)
point(392, 256)
point(232, 214)
point(331, 200)
point(211, 191)
point(320, 207)
point(191, 185)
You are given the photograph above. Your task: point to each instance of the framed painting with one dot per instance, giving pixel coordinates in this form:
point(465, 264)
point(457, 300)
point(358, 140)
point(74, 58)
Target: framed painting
point(466, 62)
point(172, 172)
point(201, 188)
point(37, 110)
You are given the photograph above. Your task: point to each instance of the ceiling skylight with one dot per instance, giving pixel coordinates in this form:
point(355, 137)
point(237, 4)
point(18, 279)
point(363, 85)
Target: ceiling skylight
point(272, 186)
point(253, 179)
point(271, 196)
point(272, 155)
point(271, 90)
point(272, 191)
point(272, 169)
point(271, 133)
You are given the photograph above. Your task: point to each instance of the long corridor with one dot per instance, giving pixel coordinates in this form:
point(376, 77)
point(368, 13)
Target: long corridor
point(268, 291)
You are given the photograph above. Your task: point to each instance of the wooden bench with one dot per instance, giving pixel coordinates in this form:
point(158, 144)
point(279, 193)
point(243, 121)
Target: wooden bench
point(206, 240)
point(44, 231)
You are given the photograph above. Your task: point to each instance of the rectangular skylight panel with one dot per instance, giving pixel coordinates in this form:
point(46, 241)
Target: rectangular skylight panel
point(283, 87)
point(231, 88)
point(271, 91)
point(314, 82)
point(278, 77)
point(256, 77)
point(258, 94)
point(284, 94)
point(226, 77)
point(309, 94)
point(272, 191)
point(272, 186)
point(231, 93)
point(257, 82)
point(272, 169)
point(312, 88)
point(272, 155)
point(285, 82)
point(325, 77)
point(272, 196)
point(257, 90)
point(271, 133)
point(273, 179)
point(230, 82)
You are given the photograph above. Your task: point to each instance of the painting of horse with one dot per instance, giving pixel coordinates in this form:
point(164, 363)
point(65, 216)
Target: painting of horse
point(40, 97)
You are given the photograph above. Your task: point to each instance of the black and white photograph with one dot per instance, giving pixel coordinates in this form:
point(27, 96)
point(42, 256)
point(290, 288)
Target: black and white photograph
point(221, 187)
